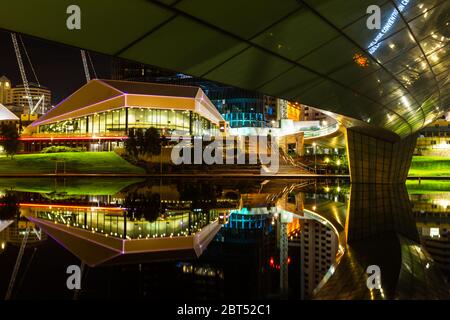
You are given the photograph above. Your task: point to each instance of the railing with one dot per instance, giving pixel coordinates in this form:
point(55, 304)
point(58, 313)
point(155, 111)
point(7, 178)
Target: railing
point(321, 132)
point(295, 163)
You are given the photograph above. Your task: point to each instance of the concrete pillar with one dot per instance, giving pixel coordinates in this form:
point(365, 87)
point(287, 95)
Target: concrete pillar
point(378, 156)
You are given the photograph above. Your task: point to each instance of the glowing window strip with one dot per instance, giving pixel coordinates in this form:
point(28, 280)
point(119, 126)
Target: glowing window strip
point(374, 45)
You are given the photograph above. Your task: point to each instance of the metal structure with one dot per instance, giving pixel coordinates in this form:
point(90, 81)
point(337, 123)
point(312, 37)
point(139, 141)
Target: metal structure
point(85, 65)
point(41, 101)
point(22, 70)
point(17, 265)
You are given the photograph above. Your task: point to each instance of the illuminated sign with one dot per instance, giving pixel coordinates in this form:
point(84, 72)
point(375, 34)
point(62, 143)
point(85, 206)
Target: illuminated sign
point(375, 44)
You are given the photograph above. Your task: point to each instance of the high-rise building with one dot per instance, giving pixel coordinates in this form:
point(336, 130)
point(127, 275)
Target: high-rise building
point(319, 245)
point(5, 91)
point(311, 114)
point(239, 107)
point(37, 92)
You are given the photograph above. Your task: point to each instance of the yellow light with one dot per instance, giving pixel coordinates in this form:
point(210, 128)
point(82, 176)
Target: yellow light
point(327, 160)
point(327, 189)
point(338, 162)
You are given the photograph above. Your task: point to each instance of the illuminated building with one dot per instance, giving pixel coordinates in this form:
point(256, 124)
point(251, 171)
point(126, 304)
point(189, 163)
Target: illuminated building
point(239, 107)
point(6, 116)
point(5, 91)
point(20, 99)
point(434, 140)
point(431, 213)
point(102, 112)
point(318, 253)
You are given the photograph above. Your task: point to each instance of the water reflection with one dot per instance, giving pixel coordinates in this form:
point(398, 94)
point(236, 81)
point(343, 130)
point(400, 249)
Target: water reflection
point(220, 239)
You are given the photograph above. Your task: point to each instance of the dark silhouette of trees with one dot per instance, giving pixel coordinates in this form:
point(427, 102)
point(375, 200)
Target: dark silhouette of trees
point(9, 207)
point(152, 142)
point(140, 142)
point(145, 206)
point(131, 144)
point(10, 139)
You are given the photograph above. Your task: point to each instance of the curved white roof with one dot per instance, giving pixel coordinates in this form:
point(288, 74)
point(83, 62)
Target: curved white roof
point(5, 114)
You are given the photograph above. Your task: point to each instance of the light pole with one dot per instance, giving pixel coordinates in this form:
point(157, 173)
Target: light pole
point(315, 158)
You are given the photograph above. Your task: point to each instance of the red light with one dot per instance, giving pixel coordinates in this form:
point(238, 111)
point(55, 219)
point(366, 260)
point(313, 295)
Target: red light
point(361, 60)
point(271, 262)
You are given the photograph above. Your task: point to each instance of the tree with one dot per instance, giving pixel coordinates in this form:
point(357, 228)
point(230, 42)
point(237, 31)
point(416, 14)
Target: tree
point(9, 207)
point(152, 141)
point(140, 142)
point(10, 140)
point(131, 144)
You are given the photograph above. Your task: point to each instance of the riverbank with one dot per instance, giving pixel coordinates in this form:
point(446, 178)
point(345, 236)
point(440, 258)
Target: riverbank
point(67, 162)
point(428, 167)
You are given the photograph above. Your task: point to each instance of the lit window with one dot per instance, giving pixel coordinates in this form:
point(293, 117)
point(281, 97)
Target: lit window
point(434, 232)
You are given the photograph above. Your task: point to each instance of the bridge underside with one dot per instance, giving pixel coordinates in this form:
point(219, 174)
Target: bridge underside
point(318, 53)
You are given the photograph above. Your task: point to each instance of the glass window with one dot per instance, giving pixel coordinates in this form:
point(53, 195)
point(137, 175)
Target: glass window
point(122, 119)
point(131, 117)
point(116, 120)
point(102, 123)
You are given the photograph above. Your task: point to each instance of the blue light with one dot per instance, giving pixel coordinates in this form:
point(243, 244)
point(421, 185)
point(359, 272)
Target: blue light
point(374, 45)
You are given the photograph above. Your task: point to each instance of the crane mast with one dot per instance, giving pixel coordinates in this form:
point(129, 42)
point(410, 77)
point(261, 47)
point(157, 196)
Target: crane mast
point(85, 65)
point(22, 71)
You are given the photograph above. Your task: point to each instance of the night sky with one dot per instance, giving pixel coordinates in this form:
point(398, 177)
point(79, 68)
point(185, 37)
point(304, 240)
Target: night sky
point(57, 67)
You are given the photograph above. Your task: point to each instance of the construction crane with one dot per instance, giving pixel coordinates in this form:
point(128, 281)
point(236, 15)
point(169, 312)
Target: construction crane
point(22, 70)
point(17, 265)
point(41, 101)
point(84, 58)
point(85, 65)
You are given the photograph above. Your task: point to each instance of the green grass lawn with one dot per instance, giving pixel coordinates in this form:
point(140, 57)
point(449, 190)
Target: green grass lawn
point(68, 187)
point(428, 186)
point(430, 166)
point(76, 162)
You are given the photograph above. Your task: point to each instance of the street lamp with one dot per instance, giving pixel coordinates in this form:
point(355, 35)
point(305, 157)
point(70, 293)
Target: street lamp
point(315, 158)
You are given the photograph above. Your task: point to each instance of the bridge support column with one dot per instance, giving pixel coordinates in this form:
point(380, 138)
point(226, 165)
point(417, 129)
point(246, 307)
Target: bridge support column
point(378, 156)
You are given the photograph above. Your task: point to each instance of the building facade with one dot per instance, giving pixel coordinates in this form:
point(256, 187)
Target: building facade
point(434, 140)
point(318, 253)
point(102, 112)
point(239, 107)
point(5, 91)
point(37, 92)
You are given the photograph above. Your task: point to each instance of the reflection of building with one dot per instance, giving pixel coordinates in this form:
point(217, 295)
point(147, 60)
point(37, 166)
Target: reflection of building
point(102, 111)
point(14, 233)
point(37, 92)
point(434, 140)
point(319, 245)
point(5, 91)
point(432, 213)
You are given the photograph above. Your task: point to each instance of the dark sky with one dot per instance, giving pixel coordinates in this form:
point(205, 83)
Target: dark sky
point(57, 67)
